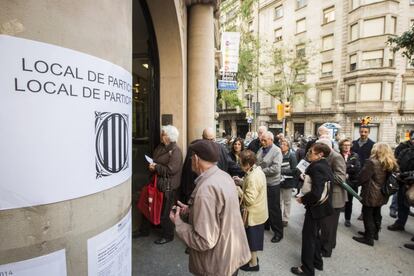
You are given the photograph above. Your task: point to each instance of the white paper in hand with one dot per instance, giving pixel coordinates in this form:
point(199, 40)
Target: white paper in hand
point(302, 165)
point(149, 159)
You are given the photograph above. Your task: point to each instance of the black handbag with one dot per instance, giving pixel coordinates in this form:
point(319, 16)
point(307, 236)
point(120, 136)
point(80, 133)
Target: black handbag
point(391, 185)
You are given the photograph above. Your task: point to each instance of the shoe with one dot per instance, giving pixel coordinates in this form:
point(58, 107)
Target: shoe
point(347, 223)
point(364, 240)
point(362, 233)
point(396, 227)
point(297, 270)
point(326, 254)
point(412, 239)
point(318, 267)
point(285, 223)
point(409, 246)
point(162, 241)
point(276, 239)
point(187, 250)
point(137, 235)
point(393, 214)
point(360, 217)
point(247, 267)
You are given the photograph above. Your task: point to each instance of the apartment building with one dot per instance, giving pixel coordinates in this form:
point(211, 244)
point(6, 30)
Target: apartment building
point(352, 72)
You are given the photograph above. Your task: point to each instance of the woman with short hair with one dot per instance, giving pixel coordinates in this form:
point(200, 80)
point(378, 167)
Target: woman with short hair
point(167, 166)
point(318, 204)
point(372, 178)
point(353, 166)
point(253, 196)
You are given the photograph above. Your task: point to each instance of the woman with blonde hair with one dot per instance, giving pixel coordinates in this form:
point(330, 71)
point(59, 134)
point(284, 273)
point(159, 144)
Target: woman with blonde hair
point(372, 178)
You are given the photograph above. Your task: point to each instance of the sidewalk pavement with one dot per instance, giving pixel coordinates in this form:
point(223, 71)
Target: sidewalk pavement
point(387, 257)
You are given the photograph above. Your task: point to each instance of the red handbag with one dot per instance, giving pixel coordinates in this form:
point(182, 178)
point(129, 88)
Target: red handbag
point(150, 201)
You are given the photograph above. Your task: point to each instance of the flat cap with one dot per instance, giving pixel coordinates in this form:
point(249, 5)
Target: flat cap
point(206, 150)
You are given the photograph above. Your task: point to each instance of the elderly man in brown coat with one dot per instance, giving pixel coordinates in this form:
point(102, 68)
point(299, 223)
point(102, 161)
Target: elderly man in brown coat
point(329, 225)
point(211, 224)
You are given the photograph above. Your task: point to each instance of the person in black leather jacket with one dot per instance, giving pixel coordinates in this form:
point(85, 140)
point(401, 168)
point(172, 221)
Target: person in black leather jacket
point(353, 166)
point(318, 205)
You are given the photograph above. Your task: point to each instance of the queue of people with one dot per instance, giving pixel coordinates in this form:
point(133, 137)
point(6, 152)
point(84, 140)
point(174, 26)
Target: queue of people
point(227, 198)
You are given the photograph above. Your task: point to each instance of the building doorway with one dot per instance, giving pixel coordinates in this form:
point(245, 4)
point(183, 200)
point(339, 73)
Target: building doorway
point(146, 103)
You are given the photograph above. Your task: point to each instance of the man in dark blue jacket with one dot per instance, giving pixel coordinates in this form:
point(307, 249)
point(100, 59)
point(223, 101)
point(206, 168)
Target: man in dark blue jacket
point(363, 145)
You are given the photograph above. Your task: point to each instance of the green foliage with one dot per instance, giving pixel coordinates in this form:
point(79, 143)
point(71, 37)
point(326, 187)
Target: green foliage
point(230, 98)
point(290, 80)
point(246, 8)
point(405, 42)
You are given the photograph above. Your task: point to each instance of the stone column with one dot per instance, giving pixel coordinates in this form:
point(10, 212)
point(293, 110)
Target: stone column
point(104, 32)
point(201, 98)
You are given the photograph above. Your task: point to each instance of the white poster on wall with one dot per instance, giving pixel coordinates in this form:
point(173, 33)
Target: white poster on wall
point(109, 253)
point(65, 123)
point(50, 264)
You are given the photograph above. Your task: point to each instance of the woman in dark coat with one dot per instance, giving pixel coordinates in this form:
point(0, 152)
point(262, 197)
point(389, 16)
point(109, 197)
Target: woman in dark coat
point(353, 166)
point(167, 165)
point(372, 177)
point(318, 205)
point(236, 148)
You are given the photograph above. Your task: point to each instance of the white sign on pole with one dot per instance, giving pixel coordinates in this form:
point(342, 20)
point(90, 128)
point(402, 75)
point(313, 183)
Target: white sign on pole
point(50, 264)
point(109, 253)
point(230, 42)
point(65, 123)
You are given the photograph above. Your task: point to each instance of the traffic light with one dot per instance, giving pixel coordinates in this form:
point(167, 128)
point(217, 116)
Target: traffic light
point(287, 109)
point(280, 112)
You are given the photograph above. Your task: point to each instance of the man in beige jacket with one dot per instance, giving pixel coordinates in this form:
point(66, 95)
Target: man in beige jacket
point(211, 224)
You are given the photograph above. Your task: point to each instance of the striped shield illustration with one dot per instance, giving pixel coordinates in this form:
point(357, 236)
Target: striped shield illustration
point(111, 130)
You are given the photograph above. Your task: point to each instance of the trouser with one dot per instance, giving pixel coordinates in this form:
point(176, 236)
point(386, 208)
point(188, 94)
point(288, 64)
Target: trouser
point(275, 215)
point(394, 203)
point(311, 245)
point(403, 208)
point(348, 205)
point(329, 226)
point(372, 221)
point(285, 202)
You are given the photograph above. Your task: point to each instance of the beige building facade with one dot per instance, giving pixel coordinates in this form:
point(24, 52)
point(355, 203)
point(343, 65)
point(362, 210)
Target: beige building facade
point(352, 72)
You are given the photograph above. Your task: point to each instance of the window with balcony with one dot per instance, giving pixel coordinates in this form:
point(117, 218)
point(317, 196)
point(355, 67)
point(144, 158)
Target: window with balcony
point(300, 3)
point(409, 96)
point(394, 25)
point(279, 12)
point(355, 4)
point(325, 99)
point(251, 27)
point(373, 27)
point(352, 62)
point(299, 102)
point(388, 91)
point(372, 59)
point(301, 25)
point(328, 15)
point(370, 91)
point(301, 77)
point(354, 32)
point(300, 50)
point(352, 93)
point(278, 35)
point(327, 69)
point(391, 57)
point(328, 42)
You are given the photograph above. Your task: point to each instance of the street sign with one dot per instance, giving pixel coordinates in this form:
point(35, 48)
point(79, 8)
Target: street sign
point(227, 85)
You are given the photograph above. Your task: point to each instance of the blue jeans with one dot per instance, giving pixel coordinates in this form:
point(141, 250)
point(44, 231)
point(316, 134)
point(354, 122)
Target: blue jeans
point(394, 203)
